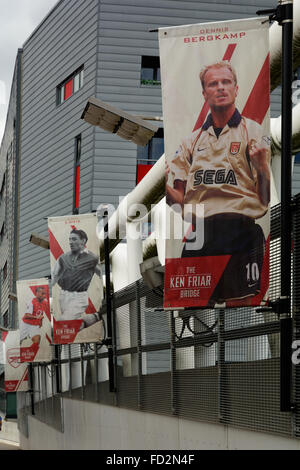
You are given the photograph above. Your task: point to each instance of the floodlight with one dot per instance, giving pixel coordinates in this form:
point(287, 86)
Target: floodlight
point(12, 296)
point(118, 122)
point(39, 240)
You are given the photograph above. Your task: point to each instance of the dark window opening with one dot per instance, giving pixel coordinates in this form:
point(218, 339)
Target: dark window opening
point(69, 86)
point(5, 271)
point(2, 190)
point(5, 319)
point(153, 150)
point(147, 156)
point(150, 71)
point(2, 233)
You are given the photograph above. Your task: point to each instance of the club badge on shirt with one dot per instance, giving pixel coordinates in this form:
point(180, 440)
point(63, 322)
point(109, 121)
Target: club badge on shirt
point(235, 148)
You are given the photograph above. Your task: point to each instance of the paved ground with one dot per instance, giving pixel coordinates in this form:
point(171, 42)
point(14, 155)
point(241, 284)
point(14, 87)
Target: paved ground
point(8, 445)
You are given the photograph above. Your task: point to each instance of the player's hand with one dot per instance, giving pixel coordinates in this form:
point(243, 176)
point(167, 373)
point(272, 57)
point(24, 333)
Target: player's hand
point(260, 156)
point(167, 169)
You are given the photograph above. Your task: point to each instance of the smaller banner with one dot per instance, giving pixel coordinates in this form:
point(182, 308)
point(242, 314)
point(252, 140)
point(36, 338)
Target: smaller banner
point(34, 320)
point(77, 288)
point(15, 372)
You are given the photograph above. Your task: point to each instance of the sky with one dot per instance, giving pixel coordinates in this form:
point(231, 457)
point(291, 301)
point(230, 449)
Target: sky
point(18, 19)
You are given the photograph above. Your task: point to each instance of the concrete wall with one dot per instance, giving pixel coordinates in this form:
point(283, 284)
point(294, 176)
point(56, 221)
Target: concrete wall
point(10, 430)
point(91, 426)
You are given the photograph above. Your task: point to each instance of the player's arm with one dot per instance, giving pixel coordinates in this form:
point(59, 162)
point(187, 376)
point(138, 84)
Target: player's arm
point(29, 312)
point(260, 157)
point(175, 194)
point(98, 270)
point(56, 272)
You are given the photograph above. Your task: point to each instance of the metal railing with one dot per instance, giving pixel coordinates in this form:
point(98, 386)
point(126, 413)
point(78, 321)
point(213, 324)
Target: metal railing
point(217, 366)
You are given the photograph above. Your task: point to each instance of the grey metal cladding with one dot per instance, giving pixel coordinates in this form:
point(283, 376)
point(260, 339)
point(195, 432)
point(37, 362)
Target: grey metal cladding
point(65, 41)
point(8, 203)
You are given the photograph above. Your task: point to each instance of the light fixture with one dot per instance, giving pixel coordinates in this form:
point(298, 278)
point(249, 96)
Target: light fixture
point(12, 296)
point(118, 122)
point(39, 240)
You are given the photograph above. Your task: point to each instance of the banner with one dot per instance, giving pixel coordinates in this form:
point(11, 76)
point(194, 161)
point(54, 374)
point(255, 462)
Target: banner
point(15, 372)
point(77, 289)
point(34, 320)
point(216, 99)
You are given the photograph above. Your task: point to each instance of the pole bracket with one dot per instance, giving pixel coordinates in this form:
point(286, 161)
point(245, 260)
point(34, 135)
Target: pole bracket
point(282, 13)
point(279, 306)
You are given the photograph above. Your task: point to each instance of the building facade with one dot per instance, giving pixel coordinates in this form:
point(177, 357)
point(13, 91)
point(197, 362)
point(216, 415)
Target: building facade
point(102, 49)
point(52, 163)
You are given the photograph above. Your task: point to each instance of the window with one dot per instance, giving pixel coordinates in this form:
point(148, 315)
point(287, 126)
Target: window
point(150, 71)
point(2, 232)
point(153, 150)
point(70, 86)
point(76, 190)
point(148, 155)
point(5, 271)
point(2, 190)
point(5, 319)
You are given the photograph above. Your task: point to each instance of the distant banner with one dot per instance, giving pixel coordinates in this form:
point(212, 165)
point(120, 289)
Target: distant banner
point(216, 99)
point(77, 288)
point(15, 372)
point(34, 320)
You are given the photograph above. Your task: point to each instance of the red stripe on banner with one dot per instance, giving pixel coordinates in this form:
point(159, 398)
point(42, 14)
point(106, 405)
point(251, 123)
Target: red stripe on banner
point(54, 246)
point(190, 282)
point(91, 308)
point(227, 56)
point(259, 99)
point(48, 339)
point(23, 378)
point(28, 354)
point(11, 385)
point(229, 51)
point(4, 335)
point(65, 332)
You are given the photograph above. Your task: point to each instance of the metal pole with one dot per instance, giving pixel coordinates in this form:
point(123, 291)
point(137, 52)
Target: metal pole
point(31, 379)
point(70, 370)
point(57, 362)
point(108, 304)
point(82, 372)
point(221, 361)
point(173, 363)
point(286, 21)
point(139, 344)
point(96, 372)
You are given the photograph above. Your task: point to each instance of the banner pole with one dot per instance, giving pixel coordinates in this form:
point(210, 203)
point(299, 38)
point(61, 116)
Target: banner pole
point(286, 21)
point(108, 304)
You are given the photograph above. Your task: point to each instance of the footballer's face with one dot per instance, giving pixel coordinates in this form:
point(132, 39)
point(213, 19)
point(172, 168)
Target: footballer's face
point(220, 89)
point(76, 243)
point(41, 294)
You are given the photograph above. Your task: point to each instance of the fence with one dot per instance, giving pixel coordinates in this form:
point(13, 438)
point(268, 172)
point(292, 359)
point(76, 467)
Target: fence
point(217, 366)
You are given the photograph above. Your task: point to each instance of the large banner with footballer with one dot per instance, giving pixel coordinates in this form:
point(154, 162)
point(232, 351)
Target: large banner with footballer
point(34, 320)
point(15, 372)
point(77, 289)
point(216, 98)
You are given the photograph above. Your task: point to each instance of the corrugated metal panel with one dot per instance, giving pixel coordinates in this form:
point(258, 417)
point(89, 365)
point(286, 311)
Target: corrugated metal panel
point(64, 42)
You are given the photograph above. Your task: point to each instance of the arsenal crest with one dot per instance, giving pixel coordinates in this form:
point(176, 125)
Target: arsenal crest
point(13, 357)
point(235, 148)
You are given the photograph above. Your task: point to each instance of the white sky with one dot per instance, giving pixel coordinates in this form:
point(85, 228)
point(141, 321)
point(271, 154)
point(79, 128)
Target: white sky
point(18, 18)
